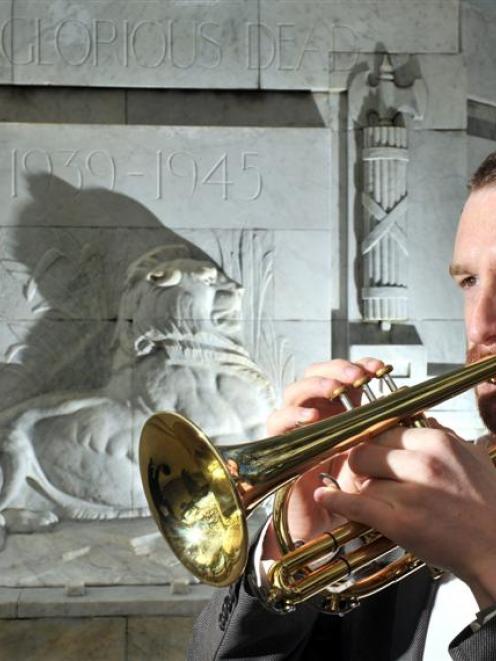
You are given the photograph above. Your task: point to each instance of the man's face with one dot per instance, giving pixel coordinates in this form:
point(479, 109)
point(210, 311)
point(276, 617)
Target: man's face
point(474, 269)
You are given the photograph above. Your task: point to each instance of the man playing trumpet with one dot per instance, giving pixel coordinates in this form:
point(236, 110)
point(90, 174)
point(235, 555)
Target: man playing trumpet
point(425, 489)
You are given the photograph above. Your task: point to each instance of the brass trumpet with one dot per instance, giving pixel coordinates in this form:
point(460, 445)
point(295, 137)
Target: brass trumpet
point(200, 496)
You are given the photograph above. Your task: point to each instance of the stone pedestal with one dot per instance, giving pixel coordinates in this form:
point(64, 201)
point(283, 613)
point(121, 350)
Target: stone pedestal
point(400, 347)
point(106, 624)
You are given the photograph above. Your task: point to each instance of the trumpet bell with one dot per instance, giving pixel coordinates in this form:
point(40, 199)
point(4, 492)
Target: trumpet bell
point(193, 499)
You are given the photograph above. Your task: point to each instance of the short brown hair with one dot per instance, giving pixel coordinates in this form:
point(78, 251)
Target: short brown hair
point(485, 175)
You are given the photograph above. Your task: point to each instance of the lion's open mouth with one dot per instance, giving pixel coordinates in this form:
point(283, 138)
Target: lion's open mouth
point(226, 308)
point(226, 317)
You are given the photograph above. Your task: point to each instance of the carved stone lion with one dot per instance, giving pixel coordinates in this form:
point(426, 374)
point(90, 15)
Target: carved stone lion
point(177, 347)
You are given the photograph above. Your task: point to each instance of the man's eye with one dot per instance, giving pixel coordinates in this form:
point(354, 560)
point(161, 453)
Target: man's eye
point(468, 282)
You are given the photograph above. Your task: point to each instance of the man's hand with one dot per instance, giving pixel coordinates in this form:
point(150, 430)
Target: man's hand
point(307, 400)
point(426, 489)
point(431, 493)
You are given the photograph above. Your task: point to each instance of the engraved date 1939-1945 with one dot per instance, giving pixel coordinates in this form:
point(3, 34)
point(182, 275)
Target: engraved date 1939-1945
point(233, 176)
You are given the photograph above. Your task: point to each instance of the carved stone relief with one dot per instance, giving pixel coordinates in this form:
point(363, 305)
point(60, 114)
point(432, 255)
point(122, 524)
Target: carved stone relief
point(250, 258)
point(384, 249)
point(380, 106)
point(177, 345)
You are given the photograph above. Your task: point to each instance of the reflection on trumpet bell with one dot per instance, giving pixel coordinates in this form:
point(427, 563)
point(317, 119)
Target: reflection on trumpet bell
point(192, 498)
point(200, 497)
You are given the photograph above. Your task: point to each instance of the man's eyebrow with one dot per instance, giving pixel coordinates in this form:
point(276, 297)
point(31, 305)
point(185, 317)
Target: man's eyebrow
point(457, 269)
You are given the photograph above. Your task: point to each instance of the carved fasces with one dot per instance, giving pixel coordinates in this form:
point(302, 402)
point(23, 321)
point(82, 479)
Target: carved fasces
point(378, 108)
point(384, 248)
point(381, 96)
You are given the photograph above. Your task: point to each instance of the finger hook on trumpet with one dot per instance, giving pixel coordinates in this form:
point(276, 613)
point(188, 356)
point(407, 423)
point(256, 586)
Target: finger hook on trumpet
point(327, 480)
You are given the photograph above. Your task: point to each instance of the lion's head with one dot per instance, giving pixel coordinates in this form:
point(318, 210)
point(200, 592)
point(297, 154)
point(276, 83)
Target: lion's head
point(168, 293)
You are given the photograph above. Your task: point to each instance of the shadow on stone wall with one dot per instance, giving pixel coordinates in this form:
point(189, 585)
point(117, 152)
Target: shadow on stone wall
point(74, 248)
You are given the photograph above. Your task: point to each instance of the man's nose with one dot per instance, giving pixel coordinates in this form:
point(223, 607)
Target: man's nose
point(481, 318)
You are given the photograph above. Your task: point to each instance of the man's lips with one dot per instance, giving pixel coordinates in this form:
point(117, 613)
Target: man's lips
point(476, 353)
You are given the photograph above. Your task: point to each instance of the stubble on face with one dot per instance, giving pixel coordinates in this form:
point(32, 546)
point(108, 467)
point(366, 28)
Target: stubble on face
point(474, 259)
point(485, 393)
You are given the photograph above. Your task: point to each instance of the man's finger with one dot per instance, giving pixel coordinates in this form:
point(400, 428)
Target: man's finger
point(354, 507)
point(345, 370)
point(385, 463)
point(413, 438)
point(290, 417)
point(315, 387)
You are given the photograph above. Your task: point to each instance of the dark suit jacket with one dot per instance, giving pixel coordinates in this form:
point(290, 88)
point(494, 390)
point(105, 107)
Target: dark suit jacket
point(390, 625)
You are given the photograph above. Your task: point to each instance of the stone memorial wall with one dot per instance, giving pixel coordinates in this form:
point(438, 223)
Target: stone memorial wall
point(199, 199)
point(220, 44)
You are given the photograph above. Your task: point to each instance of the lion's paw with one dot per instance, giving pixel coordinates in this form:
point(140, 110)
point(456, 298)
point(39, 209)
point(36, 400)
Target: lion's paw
point(27, 521)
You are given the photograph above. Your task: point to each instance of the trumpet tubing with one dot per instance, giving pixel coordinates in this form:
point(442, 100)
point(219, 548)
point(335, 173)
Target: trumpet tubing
point(200, 496)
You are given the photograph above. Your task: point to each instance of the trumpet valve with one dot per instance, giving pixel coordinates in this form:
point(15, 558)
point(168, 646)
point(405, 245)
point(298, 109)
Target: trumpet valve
point(384, 375)
point(363, 383)
point(342, 395)
point(359, 383)
point(387, 369)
